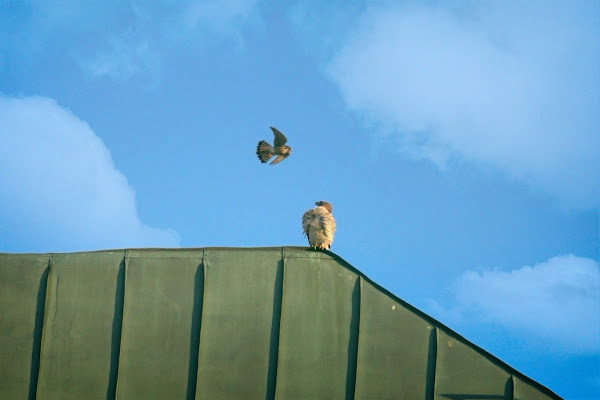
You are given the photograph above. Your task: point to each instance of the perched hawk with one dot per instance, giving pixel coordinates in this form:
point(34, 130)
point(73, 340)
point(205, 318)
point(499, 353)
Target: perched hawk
point(264, 150)
point(319, 226)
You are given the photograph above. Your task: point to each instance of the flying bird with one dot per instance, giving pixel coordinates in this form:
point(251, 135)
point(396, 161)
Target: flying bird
point(319, 226)
point(265, 151)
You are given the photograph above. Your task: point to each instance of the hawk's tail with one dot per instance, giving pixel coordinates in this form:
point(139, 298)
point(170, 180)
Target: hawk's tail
point(264, 151)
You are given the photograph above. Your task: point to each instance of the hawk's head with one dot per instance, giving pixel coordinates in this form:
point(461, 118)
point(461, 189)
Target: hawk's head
point(324, 204)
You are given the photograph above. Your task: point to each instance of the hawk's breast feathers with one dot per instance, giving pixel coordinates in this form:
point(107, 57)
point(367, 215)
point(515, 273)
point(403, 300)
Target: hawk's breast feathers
point(319, 226)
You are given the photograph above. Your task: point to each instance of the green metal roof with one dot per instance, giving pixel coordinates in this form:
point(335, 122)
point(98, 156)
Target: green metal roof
point(227, 323)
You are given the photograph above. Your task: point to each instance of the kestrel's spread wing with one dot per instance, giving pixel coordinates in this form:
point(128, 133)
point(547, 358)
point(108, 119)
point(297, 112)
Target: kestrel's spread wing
point(279, 158)
point(280, 138)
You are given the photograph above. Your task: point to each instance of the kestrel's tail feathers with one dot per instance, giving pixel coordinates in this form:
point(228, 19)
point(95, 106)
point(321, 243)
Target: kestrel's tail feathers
point(264, 151)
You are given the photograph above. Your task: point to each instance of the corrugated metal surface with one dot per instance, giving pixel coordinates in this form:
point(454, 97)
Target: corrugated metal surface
point(227, 323)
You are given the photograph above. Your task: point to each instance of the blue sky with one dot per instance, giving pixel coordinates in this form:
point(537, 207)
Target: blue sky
point(459, 144)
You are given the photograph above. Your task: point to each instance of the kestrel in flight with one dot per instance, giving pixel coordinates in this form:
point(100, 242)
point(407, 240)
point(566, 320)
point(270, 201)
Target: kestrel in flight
point(319, 226)
point(265, 151)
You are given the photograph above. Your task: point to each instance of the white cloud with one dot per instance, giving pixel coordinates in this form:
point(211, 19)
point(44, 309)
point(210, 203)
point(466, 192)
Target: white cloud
point(58, 181)
point(121, 40)
point(556, 303)
point(515, 86)
point(126, 58)
point(156, 27)
point(223, 16)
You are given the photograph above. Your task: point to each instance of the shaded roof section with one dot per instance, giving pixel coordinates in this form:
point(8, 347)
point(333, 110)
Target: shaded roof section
point(227, 323)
